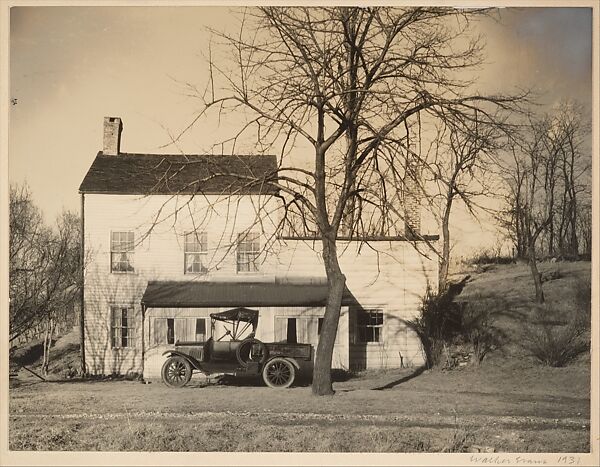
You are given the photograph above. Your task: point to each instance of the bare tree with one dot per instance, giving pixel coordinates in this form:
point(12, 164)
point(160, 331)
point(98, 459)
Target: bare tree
point(462, 169)
point(352, 84)
point(568, 132)
point(44, 270)
point(531, 180)
point(561, 137)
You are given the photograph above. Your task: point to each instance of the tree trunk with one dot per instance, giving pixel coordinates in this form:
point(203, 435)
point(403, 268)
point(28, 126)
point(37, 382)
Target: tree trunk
point(537, 278)
point(47, 345)
point(574, 243)
point(445, 259)
point(321, 384)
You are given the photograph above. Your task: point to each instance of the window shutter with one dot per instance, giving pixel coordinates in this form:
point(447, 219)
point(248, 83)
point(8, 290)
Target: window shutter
point(181, 327)
point(312, 330)
point(160, 331)
point(302, 330)
point(280, 329)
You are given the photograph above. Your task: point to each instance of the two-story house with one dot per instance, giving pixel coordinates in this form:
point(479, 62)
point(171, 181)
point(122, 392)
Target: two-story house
point(170, 239)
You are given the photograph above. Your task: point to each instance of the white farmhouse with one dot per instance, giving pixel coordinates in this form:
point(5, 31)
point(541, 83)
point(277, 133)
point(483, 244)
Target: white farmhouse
point(169, 240)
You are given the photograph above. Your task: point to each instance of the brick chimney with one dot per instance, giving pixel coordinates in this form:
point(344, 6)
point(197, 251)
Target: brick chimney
point(412, 201)
point(112, 136)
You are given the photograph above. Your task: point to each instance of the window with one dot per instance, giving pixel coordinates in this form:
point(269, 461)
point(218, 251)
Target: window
point(170, 331)
point(292, 336)
point(369, 325)
point(122, 327)
point(121, 252)
point(200, 329)
point(248, 249)
point(195, 248)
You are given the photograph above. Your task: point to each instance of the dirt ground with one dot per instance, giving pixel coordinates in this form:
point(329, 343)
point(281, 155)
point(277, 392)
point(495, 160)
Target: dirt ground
point(503, 406)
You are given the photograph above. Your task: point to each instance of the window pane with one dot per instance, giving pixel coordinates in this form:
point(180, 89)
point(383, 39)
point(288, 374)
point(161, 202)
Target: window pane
point(195, 249)
point(170, 331)
point(195, 242)
point(122, 327)
point(200, 326)
point(248, 249)
point(369, 325)
point(200, 330)
point(292, 336)
point(121, 246)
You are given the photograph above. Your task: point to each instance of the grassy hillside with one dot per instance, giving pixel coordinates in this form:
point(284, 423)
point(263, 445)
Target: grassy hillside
point(64, 356)
point(507, 291)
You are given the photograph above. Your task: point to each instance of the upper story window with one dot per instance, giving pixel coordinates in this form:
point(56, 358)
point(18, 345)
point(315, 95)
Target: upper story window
point(248, 249)
point(121, 252)
point(122, 329)
point(370, 325)
point(195, 248)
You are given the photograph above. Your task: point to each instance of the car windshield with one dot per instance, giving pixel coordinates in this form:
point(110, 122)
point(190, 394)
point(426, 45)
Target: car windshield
point(235, 316)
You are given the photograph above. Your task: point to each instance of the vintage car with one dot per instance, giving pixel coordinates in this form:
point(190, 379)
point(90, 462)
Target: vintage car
point(277, 363)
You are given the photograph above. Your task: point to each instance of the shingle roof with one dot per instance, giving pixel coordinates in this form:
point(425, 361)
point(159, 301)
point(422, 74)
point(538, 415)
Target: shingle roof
point(189, 294)
point(171, 174)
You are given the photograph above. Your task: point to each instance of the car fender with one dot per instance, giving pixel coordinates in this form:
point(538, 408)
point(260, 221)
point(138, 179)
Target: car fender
point(192, 361)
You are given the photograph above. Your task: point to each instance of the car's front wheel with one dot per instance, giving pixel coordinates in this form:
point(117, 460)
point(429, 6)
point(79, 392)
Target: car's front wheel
point(176, 372)
point(279, 373)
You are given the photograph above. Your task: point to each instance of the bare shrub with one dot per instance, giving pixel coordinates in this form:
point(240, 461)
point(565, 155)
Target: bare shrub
point(437, 325)
point(449, 330)
point(489, 256)
point(478, 330)
point(553, 344)
point(583, 302)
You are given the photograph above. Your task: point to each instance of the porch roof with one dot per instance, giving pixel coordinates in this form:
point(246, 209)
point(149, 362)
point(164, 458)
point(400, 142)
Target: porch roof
point(189, 294)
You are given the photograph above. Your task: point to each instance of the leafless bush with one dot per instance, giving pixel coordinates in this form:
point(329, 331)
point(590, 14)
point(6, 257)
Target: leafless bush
point(478, 330)
point(489, 256)
point(437, 325)
point(583, 302)
point(449, 330)
point(553, 344)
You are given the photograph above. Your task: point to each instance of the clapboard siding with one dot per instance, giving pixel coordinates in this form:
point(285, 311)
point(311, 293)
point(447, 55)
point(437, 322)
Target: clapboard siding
point(159, 234)
point(158, 255)
point(392, 276)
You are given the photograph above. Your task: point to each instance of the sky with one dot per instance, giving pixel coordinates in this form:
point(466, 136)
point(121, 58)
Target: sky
point(72, 66)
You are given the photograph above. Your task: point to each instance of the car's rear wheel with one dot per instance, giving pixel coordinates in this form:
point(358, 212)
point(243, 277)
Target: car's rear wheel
point(176, 372)
point(279, 373)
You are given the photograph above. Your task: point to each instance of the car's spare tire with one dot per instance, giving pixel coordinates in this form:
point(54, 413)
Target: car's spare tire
point(251, 350)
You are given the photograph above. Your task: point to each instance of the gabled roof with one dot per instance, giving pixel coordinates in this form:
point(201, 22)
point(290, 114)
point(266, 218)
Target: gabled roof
point(189, 294)
point(145, 174)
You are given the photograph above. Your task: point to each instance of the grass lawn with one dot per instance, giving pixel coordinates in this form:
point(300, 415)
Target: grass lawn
point(509, 403)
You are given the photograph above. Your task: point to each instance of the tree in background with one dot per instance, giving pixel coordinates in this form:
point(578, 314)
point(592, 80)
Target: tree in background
point(352, 84)
point(569, 130)
point(44, 270)
point(545, 180)
point(461, 167)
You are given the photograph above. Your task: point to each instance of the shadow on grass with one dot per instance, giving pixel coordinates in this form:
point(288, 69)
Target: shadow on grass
point(418, 371)
point(68, 350)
